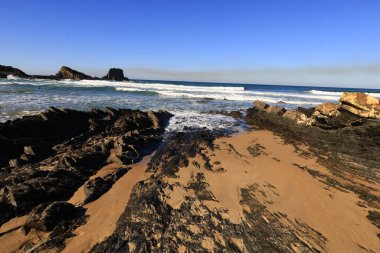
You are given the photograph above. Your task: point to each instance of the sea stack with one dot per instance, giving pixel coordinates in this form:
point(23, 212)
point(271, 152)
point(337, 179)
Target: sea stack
point(5, 71)
point(115, 74)
point(68, 73)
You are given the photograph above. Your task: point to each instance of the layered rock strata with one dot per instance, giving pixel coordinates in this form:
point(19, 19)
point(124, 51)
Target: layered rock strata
point(45, 158)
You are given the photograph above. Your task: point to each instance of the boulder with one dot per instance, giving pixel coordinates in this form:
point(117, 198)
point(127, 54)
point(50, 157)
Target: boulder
point(297, 117)
point(68, 73)
point(115, 74)
point(278, 110)
point(260, 105)
point(361, 104)
point(5, 71)
point(307, 111)
point(327, 110)
point(342, 120)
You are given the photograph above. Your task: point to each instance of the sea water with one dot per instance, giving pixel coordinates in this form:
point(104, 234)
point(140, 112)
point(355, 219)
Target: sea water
point(188, 101)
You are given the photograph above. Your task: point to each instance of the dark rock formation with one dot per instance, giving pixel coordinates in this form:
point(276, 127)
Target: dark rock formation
point(8, 70)
point(68, 73)
point(59, 218)
point(96, 187)
point(48, 156)
point(38, 134)
point(44, 77)
point(45, 217)
point(115, 74)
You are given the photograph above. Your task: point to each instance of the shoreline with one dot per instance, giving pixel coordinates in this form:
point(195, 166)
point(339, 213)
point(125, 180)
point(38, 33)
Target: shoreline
point(291, 183)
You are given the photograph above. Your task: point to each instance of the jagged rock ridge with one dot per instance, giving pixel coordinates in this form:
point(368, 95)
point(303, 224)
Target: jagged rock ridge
point(48, 156)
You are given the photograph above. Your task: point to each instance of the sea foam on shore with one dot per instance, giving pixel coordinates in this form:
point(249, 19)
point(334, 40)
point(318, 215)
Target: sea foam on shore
point(188, 100)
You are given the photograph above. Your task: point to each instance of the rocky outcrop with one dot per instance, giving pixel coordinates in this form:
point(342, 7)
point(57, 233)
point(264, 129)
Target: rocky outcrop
point(46, 157)
point(361, 104)
point(297, 117)
point(96, 187)
point(57, 219)
point(260, 105)
point(5, 71)
point(332, 130)
point(354, 109)
point(327, 110)
point(45, 217)
point(277, 110)
point(115, 74)
point(68, 73)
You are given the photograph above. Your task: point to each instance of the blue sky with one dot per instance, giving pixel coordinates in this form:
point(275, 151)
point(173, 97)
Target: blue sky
point(328, 43)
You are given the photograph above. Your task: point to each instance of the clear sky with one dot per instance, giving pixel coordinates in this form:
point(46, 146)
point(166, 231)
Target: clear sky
point(315, 42)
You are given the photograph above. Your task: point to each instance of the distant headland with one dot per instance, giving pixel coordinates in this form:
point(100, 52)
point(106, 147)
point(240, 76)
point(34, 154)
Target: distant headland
point(114, 74)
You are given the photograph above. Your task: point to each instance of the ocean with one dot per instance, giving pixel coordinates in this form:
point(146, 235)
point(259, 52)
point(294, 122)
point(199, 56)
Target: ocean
point(188, 101)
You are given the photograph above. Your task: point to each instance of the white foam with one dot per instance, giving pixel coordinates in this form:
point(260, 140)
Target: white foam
point(183, 119)
point(327, 93)
point(337, 93)
point(296, 95)
point(269, 97)
point(12, 77)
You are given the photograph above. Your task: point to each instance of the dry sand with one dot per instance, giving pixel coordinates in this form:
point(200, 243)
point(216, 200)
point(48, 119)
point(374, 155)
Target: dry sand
point(104, 212)
point(292, 191)
point(15, 240)
point(281, 186)
point(284, 188)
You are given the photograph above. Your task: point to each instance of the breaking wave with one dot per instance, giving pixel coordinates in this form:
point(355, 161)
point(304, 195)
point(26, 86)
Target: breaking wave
point(187, 99)
point(337, 93)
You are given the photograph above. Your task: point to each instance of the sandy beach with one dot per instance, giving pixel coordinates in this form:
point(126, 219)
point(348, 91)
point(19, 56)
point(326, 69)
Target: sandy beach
point(190, 126)
point(287, 182)
point(332, 220)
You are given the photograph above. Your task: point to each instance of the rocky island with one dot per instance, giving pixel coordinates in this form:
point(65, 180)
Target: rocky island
point(304, 180)
point(114, 74)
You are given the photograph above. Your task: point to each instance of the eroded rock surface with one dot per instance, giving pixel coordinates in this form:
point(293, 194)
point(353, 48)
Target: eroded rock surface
point(47, 157)
point(96, 187)
point(361, 104)
point(45, 217)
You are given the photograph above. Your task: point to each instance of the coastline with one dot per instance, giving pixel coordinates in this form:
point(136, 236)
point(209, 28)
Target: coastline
point(284, 185)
